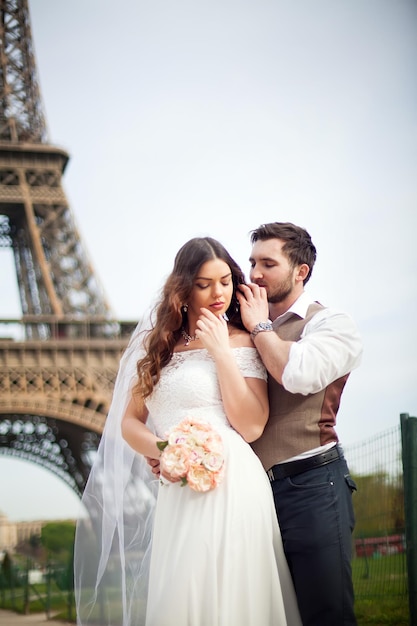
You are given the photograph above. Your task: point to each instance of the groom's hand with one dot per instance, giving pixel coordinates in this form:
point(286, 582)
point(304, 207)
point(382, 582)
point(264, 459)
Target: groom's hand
point(253, 303)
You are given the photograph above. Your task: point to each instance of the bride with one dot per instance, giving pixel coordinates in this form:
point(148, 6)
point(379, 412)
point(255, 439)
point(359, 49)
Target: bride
point(200, 546)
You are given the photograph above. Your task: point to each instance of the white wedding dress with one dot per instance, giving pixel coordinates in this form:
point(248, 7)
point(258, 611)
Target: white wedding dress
point(217, 557)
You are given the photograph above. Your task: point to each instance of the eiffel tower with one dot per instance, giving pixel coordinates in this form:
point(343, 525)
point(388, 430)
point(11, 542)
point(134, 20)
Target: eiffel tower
point(58, 362)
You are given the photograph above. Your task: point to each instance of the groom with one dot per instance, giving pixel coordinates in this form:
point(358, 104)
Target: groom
point(309, 351)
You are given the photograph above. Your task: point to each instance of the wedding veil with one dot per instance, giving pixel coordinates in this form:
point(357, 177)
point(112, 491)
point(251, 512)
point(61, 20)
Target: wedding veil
point(112, 543)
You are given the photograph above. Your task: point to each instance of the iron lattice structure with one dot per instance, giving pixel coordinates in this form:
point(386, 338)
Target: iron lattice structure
point(55, 395)
point(54, 273)
point(57, 375)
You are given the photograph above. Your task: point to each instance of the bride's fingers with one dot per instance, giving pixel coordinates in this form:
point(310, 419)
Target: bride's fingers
point(211, 319)
point(170, 478)
point(209, 325)
point(205, 314)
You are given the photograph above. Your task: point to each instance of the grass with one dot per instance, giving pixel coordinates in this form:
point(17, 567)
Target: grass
point(381, 591)
point(382, 612)
point(39, 602)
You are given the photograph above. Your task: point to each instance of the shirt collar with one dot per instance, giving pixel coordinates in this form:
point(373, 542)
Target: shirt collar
point(299, 308)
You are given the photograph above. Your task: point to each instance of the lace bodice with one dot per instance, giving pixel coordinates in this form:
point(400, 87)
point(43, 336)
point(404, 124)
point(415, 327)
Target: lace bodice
point(189, 387)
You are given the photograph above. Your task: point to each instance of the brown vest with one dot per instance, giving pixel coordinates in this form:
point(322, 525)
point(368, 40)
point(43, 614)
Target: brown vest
point(298, 423)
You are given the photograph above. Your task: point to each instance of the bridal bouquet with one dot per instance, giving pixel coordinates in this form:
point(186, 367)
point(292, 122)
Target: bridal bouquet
point(193, 452)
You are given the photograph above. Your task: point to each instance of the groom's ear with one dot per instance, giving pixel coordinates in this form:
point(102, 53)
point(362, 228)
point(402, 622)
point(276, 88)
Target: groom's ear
point(302, 272)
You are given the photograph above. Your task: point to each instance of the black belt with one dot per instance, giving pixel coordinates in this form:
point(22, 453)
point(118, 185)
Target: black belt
point(292, 468)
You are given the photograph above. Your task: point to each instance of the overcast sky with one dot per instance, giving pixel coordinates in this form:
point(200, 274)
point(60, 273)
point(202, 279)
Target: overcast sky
point(209, 117)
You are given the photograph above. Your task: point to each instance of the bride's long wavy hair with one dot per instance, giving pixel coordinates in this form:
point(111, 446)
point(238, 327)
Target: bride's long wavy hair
point(170, 316)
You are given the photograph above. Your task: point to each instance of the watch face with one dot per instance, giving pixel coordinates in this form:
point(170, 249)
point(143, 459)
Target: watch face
point(265, 326)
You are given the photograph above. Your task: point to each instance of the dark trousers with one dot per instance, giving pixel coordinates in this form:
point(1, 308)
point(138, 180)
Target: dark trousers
point(316, 517)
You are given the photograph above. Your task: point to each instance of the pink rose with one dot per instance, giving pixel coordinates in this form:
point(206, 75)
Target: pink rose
point(197, 455)
point(175, 461)
point(199, 479)
point(213, 461)
point(214, 444)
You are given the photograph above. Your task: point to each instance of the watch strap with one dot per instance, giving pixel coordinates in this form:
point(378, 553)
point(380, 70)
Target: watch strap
point(261, 328)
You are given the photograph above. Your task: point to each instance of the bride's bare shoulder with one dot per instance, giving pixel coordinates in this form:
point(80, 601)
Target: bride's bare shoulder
point(240, 338)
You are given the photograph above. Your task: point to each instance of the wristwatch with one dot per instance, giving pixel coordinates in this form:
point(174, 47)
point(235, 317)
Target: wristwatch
point(261, 328)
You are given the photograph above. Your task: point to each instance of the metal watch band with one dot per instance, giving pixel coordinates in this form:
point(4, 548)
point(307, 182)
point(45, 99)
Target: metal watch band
point(261, 327)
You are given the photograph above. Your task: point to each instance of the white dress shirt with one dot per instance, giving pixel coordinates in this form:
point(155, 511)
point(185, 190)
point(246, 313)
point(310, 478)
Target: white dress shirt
point(329, 347)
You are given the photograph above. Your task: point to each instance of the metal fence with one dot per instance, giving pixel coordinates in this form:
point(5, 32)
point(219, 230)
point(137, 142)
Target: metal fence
point(380, 546)
point(49, 590)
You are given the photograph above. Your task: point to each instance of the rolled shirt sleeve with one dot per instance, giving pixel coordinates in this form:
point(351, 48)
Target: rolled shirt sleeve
point(329, 347)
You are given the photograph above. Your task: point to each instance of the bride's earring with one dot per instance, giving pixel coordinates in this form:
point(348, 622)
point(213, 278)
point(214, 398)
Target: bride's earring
point(185, 308)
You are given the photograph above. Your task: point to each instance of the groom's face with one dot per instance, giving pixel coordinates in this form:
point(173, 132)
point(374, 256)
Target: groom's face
point(271, 269)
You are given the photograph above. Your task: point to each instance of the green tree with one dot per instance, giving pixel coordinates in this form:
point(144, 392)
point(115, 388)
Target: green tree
point(7, 570)
point(58, 539)
point(379, 505)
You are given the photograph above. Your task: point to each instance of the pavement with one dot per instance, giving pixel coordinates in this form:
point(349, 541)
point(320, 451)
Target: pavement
point(9, 618)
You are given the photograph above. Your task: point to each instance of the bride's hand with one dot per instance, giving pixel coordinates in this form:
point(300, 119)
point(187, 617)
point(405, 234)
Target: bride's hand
point(154, 465)
point(168, 477)
point(213, 332)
